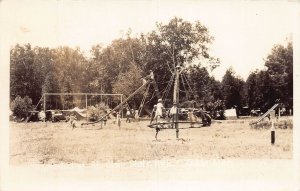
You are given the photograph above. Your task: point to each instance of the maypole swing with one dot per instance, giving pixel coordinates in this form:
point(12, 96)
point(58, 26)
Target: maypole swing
point(174, 124)
point(149, 80)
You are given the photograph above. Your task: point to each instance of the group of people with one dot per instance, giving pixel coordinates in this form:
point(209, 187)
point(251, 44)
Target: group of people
point(129, 114)
point(193, 115)
point(157, 115)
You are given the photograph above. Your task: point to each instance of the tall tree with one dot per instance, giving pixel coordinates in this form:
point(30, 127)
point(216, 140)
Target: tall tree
point(232, 88)
point(70, 64)
point(252, 90)
point(22, 73)
point(128, 82)
point(276, 82)
point(280, 70)
point(94, 71)
point(114, 60)
point(199, 81)
point(178, 42)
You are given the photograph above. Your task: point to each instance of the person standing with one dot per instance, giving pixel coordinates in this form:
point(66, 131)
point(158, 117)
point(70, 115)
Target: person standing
point(73, 121)
point(153, 114)
point(128, 113)
point(159, 110)
point(192, 117)
point(173, 112)
point(119, 119)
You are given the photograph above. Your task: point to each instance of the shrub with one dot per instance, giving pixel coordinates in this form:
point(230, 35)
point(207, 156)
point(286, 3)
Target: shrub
point(21, 106)
point(216, 109)
point(95, 113)
point(282, 124)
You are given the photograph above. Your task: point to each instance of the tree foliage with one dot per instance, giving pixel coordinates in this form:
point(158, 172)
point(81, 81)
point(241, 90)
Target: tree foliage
point(280, 71)
point(22, 73)
point(128, 82)
point(276, 82)
point(204, 88)
point(232, 88)
point(177, 43)
point(119, 67)
point(181, 41)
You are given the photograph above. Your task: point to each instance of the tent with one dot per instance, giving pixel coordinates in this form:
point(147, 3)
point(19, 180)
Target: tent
point(230, 114)
point(80, 114)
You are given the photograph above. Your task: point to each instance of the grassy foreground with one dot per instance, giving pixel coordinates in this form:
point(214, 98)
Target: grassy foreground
point(57, 143)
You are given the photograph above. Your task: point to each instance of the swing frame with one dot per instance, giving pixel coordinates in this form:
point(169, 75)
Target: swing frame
point(44, 98)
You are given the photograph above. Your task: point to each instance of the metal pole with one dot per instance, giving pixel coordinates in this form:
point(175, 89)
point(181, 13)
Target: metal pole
point(83, 94)
point(176, 99)
point(86, 104)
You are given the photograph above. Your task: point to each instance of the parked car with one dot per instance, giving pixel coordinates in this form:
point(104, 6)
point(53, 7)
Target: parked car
point(55, 115)
point(255, 112)
point(244, 111)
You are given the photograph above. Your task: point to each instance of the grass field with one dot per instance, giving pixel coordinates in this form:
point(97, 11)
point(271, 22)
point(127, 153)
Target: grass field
point(57, 143)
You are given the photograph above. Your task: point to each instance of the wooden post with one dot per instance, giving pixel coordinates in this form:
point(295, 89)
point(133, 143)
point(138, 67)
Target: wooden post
point(101, 93)
point(272, 133)
point(118, 120)
point(176, 99)
point(121, 106)
point(272, 116)
point(86, 104)
point(45, 107)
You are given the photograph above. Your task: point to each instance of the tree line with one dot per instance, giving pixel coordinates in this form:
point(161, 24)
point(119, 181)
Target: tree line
point(120, 66)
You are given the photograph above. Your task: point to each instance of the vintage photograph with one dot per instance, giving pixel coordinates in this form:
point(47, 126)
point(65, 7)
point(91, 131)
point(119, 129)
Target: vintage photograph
point(150, 83)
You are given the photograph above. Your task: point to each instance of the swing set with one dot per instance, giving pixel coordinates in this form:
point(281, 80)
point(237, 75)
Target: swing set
point(69, 102)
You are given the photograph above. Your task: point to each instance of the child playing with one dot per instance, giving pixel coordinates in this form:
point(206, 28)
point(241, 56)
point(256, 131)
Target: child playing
point(73, 121)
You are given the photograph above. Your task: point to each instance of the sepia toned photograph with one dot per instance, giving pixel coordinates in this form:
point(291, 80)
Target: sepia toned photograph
point(154, 91)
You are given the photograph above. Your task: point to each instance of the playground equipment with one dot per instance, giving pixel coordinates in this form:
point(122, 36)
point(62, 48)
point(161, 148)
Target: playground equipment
point(147, 80)
point(265, 114)
point(43, 100)
point(174, 124)
point(271, 114)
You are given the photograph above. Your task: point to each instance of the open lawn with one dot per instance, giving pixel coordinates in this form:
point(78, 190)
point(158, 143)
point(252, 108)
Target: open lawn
point(57, 143)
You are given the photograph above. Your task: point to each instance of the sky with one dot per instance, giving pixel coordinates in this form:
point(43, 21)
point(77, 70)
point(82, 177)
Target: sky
point(244, 31)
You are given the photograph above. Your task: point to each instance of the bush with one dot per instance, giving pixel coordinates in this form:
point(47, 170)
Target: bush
point(21, 106)
point(216, 109)
point(95, 113)
point(282, 124)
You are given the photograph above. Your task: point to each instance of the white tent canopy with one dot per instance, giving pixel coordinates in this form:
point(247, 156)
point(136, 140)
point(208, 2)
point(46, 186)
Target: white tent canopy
point(230, 113)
